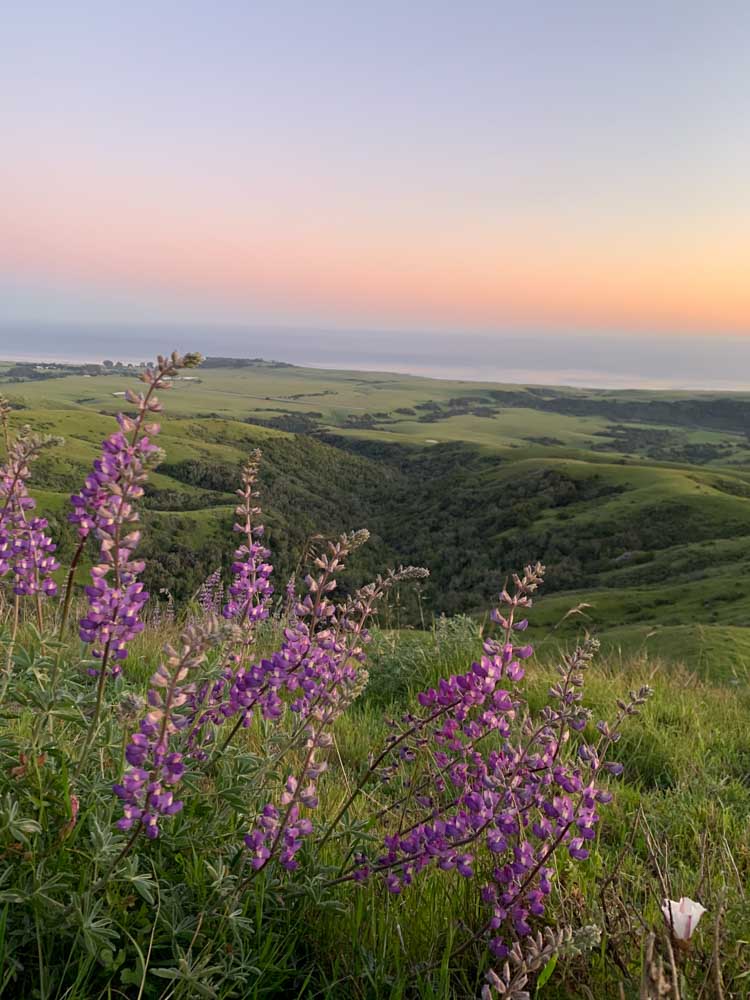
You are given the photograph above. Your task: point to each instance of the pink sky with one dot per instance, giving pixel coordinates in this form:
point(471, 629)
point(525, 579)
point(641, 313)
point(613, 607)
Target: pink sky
point(484, 171)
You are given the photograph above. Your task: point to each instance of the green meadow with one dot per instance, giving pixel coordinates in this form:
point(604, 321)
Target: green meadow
point(172, 924)
point(637, 502)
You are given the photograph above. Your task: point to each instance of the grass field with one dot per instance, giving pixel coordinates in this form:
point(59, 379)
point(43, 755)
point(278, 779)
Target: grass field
point(638, 502)
point(170, 923)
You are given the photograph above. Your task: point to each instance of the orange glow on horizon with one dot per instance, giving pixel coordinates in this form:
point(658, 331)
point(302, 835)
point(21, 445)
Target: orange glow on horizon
point(689, 278)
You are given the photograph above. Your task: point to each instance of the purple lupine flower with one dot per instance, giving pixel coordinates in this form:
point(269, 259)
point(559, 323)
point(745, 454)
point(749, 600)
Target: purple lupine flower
point(105, 508)
point(520, 800)
point(237, 690)
point(26, 550)
point(114, 606)
point(316, 665)
point(321, 667)
point(250, 591)
point(210, 594)
point(147, 788)
point(312, 659)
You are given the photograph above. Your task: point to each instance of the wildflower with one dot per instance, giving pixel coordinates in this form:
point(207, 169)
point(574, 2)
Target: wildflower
point(521, 800)
point(115, 595)
point(682, 916)
point(147, 788)
point(209, 596)
point(251, 590)
point(105, 508)
point(320, 665)
point(240, 688)
point(26, 550)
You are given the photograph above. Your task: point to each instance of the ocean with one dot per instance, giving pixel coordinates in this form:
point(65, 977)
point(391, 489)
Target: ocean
point(603, 361)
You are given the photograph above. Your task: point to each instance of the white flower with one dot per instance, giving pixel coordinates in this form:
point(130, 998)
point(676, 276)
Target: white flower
point(682, 917)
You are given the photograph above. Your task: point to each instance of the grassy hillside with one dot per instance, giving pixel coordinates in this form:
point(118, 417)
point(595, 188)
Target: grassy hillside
point(639, 503)
point(170, 923)
point(357, 821)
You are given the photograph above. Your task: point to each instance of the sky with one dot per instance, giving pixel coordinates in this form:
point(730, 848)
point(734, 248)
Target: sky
point(574, 169)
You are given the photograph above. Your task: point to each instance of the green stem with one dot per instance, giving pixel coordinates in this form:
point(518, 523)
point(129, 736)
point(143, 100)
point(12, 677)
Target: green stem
point(97, 712)
point(69, 586)
point(376, 763)
point(11, 644)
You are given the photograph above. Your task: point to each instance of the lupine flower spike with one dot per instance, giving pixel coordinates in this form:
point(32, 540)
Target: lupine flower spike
point(249, 598)
point(516, 803)
point(26, 550)
point(147, 789)
point(105, 508)
point(324, 674)
point(250, 591)
point(209, 597)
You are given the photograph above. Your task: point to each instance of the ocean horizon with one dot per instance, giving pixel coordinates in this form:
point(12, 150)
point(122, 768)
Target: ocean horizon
point(580, 361)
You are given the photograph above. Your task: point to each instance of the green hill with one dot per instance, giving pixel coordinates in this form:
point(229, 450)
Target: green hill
point(639, 503)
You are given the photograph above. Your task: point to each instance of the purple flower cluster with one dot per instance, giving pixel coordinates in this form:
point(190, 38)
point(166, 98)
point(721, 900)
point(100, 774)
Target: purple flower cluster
point(500, 813)
point(26, 550)
point(147, 789)
point(322, 684)
point(315, 666)
point(284, 829)
point(210, 595)
point(105, 505)
point(247, 686)
point(320, 665)
point(105, 508)
point(238, 688)
point(250, 591)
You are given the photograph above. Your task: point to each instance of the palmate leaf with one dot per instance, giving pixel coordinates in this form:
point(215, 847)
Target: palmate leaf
point(18, 828)
point(24, 657)
point(236, 797)
point(98, 931)
point(145, 886)
point(193, 978)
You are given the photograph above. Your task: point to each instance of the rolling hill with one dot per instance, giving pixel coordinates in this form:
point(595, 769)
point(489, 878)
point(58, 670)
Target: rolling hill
point(638, 502)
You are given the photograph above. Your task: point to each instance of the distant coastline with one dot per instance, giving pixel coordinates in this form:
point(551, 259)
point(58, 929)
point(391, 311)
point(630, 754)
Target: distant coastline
point(530, 376)
point(580, 361)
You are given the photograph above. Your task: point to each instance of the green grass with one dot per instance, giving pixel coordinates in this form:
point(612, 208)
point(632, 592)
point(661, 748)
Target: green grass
point(683, 803)
point(652, 536)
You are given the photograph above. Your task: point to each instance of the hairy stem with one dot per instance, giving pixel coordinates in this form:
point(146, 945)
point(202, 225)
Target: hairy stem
point(97, 712)
point(69, 582)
